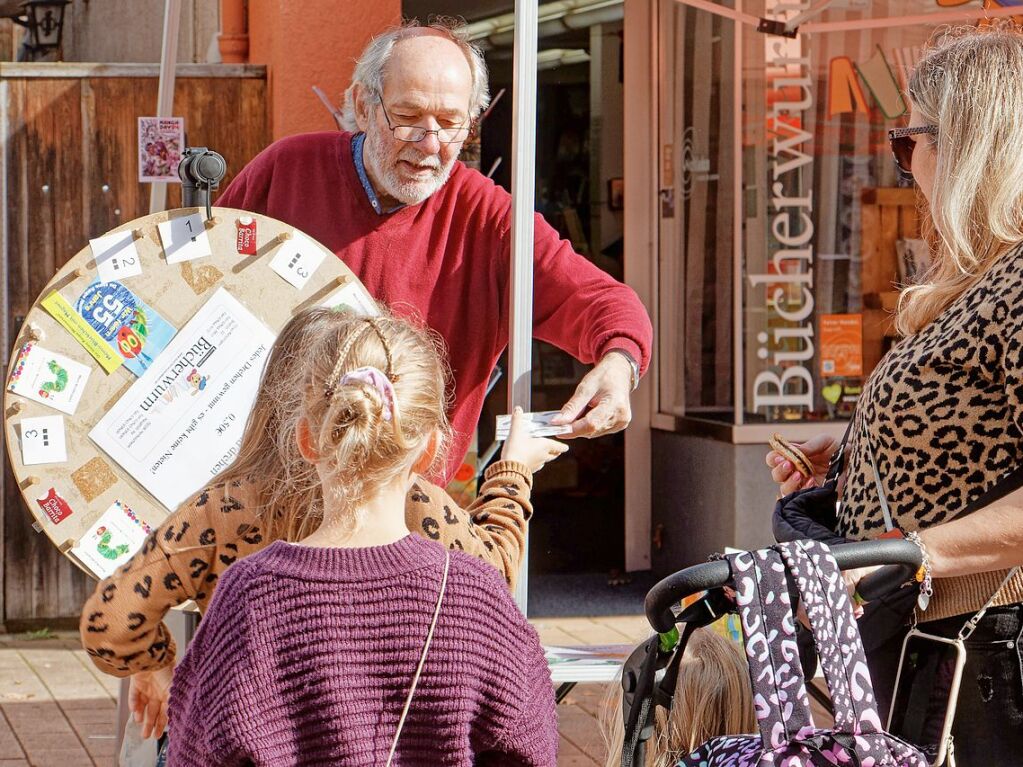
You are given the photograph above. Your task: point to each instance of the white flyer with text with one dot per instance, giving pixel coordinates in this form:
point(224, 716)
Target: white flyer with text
point(180, 424)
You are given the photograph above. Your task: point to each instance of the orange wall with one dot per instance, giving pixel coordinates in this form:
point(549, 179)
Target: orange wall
point(307, 43)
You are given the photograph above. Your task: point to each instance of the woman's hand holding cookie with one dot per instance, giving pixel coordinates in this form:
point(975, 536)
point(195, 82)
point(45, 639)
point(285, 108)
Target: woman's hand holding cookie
point(796, 465)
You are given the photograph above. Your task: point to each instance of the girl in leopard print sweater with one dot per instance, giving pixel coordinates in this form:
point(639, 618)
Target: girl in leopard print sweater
point(267, 494)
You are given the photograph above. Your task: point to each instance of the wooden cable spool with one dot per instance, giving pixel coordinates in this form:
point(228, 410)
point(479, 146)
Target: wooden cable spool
point(66, 499)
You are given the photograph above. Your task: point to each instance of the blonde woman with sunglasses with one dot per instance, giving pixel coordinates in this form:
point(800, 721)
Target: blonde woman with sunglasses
point(943, 412)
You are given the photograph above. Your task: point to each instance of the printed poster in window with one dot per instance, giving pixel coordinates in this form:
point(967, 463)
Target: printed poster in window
point(160, 143)
point(841, 338)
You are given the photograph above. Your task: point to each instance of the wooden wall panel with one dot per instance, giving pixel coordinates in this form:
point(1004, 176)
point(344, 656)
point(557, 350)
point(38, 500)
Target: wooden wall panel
point(44, 224)
point(71, 174)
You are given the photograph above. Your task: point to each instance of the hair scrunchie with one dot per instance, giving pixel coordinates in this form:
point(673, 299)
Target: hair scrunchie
point(378, 380)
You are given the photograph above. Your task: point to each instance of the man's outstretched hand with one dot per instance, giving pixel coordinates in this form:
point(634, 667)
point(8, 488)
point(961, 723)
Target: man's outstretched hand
point(600, 404)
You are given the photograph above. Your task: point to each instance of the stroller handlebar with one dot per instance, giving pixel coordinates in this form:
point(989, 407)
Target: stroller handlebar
point(902, 556)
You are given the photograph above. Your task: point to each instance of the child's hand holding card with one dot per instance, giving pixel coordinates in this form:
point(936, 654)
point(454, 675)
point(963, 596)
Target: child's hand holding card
point(539, 425)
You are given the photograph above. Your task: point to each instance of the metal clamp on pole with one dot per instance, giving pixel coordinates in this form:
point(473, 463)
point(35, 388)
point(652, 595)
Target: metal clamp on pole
point(201, 171)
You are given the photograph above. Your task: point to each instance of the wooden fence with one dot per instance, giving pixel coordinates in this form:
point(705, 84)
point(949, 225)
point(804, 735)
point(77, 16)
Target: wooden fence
point(68, 172)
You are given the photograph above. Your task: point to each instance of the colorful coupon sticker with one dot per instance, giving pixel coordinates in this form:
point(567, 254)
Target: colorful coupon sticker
point(48, 377)
point(54, 507)
point(134, 330)
point(82, 332)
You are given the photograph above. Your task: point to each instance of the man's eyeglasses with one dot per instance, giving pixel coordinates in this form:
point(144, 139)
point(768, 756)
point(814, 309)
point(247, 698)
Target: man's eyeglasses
point(414, 133)
point(903, 145)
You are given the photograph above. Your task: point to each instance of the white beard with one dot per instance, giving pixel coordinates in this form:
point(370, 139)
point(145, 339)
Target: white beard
point(403, 190)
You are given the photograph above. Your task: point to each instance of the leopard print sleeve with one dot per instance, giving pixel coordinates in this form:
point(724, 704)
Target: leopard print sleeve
point(493, 528)
point(121, 624)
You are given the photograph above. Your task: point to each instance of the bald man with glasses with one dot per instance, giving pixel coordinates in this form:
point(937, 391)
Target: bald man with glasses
point(431, 237)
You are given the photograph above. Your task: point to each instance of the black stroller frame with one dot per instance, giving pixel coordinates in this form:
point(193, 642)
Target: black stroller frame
point(643, 690)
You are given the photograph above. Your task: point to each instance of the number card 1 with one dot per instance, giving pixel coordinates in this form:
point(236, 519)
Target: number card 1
point(184, 239)
point(116, 256)
point(297, 260)
point(43, 440)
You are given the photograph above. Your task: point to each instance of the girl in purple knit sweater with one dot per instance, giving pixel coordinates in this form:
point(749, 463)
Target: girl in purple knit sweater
point(363, 644)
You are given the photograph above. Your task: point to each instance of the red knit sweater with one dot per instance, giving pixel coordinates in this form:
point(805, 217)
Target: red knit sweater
point(445, 261)
point(305, 656)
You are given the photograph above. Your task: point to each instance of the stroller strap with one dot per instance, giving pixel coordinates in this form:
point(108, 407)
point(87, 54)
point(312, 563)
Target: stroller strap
point(769, 636)
point(829, 609)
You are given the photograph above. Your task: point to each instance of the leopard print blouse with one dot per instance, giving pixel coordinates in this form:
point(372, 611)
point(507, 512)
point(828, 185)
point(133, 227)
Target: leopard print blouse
point(122, 625)
point(943, 412)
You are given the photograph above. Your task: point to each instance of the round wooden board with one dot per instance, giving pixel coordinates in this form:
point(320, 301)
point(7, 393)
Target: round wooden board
point(91, 481)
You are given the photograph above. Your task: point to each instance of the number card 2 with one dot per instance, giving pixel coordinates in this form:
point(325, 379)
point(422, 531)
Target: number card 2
point(184, 239)
point(297, 260)
point(43, 440)
point(116, 256)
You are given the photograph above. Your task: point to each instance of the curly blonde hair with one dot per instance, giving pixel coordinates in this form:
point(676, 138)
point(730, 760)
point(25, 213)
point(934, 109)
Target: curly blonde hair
point(286, 489)
point(362, 442)
point(970, 85)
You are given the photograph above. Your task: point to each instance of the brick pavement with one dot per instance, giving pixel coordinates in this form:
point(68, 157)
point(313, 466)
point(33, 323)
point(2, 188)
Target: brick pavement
point(57, 710)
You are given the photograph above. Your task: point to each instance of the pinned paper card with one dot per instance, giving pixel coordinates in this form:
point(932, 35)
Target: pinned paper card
point(125, 323)
point(352, 298)
point(181, 422)
point(539, 425)
point(297, 259)
point(184, 239)
point(48, 377)
point(82, 331)
point(112, 540)
point(43, 440)
point(116, 256)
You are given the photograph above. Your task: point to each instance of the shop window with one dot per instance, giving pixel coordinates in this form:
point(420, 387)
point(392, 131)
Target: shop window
point(785, 230)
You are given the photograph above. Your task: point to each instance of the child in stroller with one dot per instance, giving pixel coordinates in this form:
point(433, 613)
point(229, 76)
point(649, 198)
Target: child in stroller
point(711, 697)
point(762, 587)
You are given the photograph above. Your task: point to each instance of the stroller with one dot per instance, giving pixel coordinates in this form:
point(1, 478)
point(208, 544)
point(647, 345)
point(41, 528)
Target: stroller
point(763, 588)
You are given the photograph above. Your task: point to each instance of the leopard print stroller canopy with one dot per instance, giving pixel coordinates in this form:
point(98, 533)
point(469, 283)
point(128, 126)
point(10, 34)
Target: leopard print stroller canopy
point(767, 585)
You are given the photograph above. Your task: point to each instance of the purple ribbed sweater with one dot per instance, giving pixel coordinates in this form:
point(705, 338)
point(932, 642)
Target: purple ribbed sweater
point(305, 656)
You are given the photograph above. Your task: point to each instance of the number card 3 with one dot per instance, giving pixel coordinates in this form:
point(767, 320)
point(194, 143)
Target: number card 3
point(43, 440)
point(116, 256)
point(184, 239)
point(297, 260)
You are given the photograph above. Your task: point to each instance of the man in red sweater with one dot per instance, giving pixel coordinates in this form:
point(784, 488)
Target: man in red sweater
point(430, 237)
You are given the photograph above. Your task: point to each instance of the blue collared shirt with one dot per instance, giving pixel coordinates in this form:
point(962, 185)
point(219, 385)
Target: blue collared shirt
point(360, 167)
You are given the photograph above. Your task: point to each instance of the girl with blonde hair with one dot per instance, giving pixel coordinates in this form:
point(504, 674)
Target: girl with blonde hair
point(712, 697)
point(269, 493)
point(361, 644)
point(941, 416)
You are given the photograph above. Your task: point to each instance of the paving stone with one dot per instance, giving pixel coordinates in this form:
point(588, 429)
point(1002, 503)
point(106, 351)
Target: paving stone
point(9, 746)
point(570, 756)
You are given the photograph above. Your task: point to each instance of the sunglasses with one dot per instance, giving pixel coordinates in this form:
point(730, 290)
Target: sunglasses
point(903, 145)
